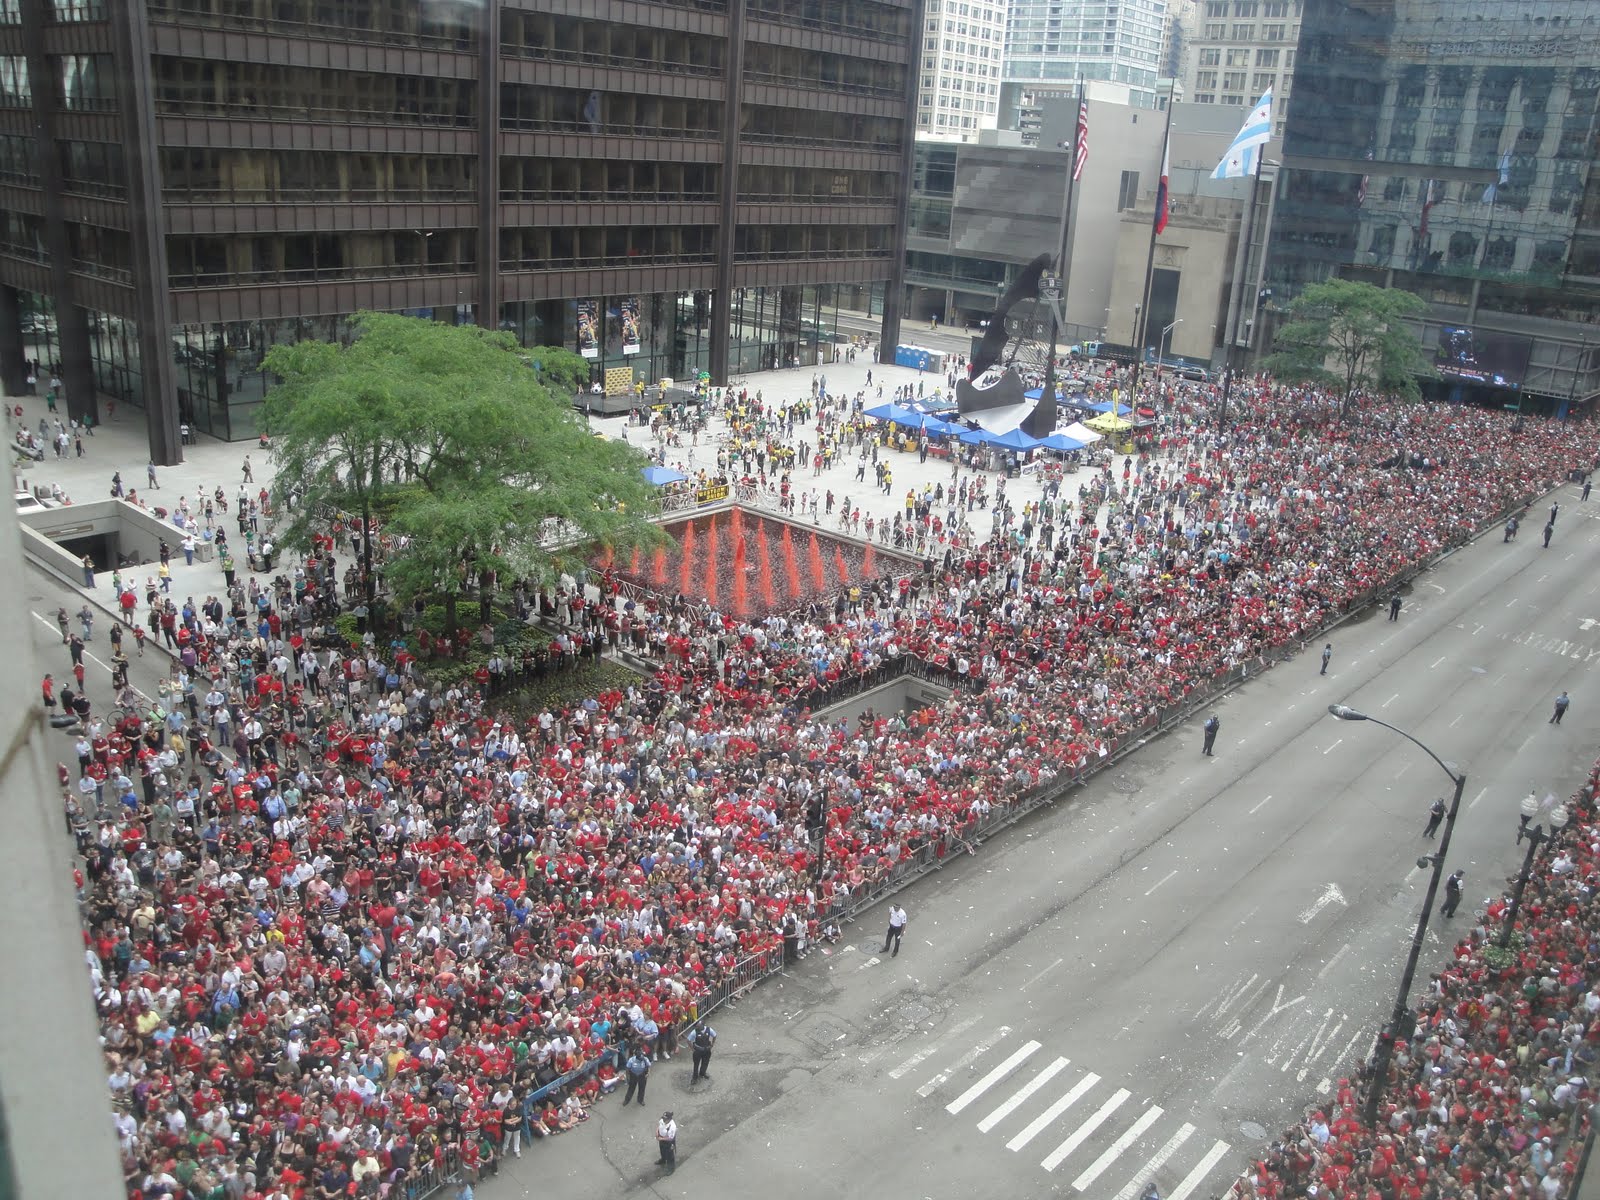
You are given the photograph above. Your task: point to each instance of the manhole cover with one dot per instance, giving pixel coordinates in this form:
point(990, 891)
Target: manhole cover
point(1251, 1130)
point(823, 1032)
point(1126, 784)
point(911, 1014)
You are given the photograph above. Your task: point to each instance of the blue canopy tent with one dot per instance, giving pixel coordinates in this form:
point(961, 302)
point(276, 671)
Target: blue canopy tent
point(1060, 441)
point(661, 476)
point(976, 437)
point(1014, 439)
point(895, 413)
point(1116, 410)
point(938, 428)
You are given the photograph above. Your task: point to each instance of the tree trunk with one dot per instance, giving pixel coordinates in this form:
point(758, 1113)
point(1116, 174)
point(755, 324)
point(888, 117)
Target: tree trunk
point(485, 599)
point(371, 583)
point(450, 621)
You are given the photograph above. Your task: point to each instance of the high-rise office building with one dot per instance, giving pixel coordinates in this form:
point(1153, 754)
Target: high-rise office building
point(1051, 44)
point(1234, 50)
point(1447, 147)
point(188, 182)
point(958, 94)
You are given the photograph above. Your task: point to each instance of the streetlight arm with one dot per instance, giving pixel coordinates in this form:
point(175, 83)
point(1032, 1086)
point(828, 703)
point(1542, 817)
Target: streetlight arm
point(1455, 777)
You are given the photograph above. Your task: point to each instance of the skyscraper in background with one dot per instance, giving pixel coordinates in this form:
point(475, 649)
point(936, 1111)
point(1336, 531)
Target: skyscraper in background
point(1234, 50)
point(958, 93)
point(1051, 44)
point(1447, 147)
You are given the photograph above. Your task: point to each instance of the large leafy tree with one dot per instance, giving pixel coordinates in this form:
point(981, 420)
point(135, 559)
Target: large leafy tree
point(1344, 335)
point(479, 469)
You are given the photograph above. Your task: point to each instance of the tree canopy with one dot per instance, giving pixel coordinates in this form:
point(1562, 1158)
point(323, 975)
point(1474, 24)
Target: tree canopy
point(474, 456)
point(1344, 335)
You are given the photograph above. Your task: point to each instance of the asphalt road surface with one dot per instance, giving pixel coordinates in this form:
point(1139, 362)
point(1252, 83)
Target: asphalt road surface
point(1143, 983)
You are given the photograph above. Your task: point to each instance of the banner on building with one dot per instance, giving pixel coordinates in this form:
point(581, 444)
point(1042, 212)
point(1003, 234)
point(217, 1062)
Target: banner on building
point(588, 329)
point(630, 325)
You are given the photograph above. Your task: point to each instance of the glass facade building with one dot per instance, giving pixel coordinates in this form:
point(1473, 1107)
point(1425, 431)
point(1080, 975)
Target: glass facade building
point(185, 183)
point(1115, 41)
point(1447, 147)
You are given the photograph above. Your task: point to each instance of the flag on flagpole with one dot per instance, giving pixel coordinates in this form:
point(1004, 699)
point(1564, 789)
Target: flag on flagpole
point(1081, 153)
point(1161, 191)
point(1244, 154)
point(1361, 188)
point(1492, 192)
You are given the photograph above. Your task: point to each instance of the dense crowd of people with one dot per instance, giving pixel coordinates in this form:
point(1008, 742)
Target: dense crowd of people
point(341, 924)
point(1491, 1095)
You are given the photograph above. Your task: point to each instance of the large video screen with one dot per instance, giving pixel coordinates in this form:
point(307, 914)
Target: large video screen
point(1473, 356)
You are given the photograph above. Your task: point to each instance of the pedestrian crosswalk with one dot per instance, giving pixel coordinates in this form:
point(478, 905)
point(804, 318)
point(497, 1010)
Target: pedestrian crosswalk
point(1038, 1100)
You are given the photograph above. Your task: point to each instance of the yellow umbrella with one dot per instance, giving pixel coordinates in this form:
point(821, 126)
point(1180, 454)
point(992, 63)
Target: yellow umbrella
point(1109, 423)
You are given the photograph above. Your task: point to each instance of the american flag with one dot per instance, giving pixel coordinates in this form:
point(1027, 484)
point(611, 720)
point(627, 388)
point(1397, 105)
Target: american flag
point(1361, 188)
point(1081, 156)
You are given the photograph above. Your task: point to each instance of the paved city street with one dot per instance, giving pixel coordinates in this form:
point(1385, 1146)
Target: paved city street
point(1149, 981)
point(1143, 983)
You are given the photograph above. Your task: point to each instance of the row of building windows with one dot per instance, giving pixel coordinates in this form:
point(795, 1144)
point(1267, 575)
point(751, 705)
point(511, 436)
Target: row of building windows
point(1271, 9)
point(1235, 80)
point(209, 174)
point(552, 38)
point(753, 243)
point(1215, 56)
point(792, 66)
point(387, 22)
point(1244, 33)
point(196, 88)
point(309, 257)
point(80, 82)
point(626, 114)
point(560, 179)
point(859, 18)
point(544, 247)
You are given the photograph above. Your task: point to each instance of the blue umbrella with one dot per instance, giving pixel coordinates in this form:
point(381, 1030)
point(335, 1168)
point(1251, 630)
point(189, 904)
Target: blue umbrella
point(660, 476)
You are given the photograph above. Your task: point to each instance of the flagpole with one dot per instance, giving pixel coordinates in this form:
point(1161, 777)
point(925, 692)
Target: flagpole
point(1041, 422)
point(1247, 233)
point(1141, 321)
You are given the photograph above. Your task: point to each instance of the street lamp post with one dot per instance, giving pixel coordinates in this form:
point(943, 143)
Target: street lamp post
point(1165, 342)
point(1536, 837)
point(1397, 1018)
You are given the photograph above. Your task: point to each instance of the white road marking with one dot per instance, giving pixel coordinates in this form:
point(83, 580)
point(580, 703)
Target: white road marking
point(1401, 773)
point(1115, 1151)
point(1143, 1175)
point(1037, 1125)
point(1278, 1006)
point(1332, 748)
point(1162, 880)
point(871, 962)
point(993, 1077)
point(1043, 973)
point(1511, 601)
point(1541, 578)
point(1083, 1132)
point(1337, 955)
point(1436, 662)
point(1390, 700)
point(1017, 1101)
point(1330, 895)
point(1457, 721)
point(1203, 1168)
point(971, 1056)
point(1473, 803)
point(1260, 805)
point(928, 1051)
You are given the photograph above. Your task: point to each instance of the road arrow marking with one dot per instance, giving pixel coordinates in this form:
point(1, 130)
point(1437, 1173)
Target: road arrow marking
point(1330, 895)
